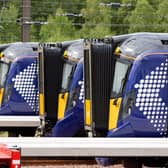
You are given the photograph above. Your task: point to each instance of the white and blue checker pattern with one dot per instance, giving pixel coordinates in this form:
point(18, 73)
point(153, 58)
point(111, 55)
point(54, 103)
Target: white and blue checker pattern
point(81, 94)
point(148, 100)
point(24, 85)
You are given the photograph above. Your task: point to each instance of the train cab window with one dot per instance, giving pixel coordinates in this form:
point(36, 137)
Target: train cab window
point(67, 71)
point(120, 72)
point(3, 73)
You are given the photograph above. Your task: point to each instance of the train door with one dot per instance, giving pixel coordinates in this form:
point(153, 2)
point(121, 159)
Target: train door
point(50, 75)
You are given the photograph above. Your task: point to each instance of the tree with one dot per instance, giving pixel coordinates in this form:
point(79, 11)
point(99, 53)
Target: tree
point(142, 17)
point(123, 14)
point(35, 32)
point(9, 28)
point(41, 9)
point(155, 3)
point(97, 20)
point(59, 28)
point(162, 17)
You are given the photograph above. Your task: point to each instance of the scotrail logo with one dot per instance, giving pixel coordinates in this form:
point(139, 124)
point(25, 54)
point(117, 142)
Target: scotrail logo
point(25, 86)
point(148, 98)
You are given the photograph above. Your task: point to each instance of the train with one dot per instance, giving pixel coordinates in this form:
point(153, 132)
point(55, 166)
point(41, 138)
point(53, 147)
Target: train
point(33, 77)
point(126, 88)
point(123, 89)
point(111, 87)
point(95, 109)
point(71, 125)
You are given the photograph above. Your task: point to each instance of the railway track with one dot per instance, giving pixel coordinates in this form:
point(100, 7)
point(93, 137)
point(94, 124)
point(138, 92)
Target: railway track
point(73, 162)
point(62, 163)
point(59, 161)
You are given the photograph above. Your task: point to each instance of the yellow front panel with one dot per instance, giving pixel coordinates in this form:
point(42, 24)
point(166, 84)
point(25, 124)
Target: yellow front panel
point(87, 112)
point(62, 101)
point(1, 95)
point(113, 112)
point(1, 55)
point(41, 104)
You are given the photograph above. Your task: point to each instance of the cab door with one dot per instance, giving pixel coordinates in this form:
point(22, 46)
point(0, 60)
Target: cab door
point(118, 82)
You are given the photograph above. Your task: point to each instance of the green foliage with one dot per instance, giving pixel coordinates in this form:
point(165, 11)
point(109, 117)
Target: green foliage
point(142, 18)
point(59, 28)
point(41, 9)
point(162, 17)
point(9, 28)
point(155, 3)
point(71, 6)
point(97, 20)
point(123, 15)
point(35, 32)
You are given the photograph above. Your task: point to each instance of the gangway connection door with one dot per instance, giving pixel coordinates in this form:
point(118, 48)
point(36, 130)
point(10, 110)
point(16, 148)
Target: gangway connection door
point(50, 75)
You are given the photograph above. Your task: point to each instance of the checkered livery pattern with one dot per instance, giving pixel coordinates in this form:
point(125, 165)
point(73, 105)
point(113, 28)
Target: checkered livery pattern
point(148, 100)
point(24, 83)
point(81, 94)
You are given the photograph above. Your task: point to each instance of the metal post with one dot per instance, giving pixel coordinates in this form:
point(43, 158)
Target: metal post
point(40, 130)
point(26, 13)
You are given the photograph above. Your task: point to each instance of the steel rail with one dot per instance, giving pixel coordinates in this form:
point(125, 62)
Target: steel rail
point(52, 147)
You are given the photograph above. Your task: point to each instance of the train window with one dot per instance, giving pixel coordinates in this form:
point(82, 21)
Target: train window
point(3, 73)
point(119, 78)
point(67, 71)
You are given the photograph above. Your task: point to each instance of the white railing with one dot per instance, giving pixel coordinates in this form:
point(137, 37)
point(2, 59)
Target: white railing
point(19, 121)
point(46, 147)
